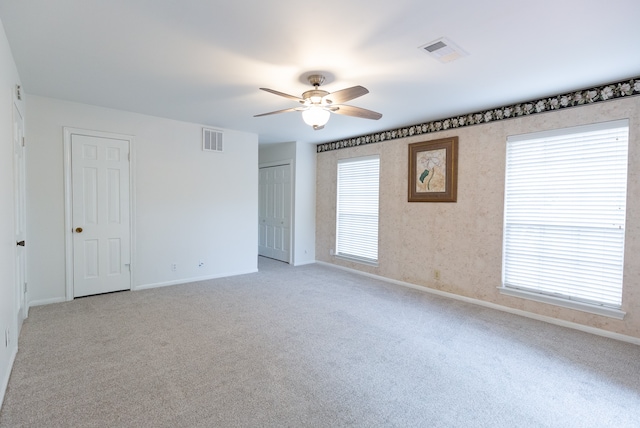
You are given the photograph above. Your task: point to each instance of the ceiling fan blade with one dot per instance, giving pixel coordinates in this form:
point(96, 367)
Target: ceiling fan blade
point(278, 111)
point(347, 94)
point(282, 94)
point(357, 112)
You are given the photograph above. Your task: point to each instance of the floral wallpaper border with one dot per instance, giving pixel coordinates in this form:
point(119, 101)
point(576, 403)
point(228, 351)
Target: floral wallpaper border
point(571, 99)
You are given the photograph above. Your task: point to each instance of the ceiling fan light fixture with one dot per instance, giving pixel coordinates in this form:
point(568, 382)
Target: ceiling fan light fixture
point(316, 116)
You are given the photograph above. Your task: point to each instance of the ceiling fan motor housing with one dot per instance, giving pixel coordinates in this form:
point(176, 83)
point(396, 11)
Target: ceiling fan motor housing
point(314, 95)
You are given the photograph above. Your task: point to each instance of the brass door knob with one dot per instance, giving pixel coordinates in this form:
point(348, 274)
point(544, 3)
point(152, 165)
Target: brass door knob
point(78, 230)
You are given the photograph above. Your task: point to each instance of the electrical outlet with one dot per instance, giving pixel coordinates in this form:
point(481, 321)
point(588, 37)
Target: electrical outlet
point(200, 264)
point(436, 274)
point(174, 267)
point(331, 252)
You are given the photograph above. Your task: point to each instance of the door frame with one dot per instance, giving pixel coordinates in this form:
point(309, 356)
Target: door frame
point(68, 201)
point(20, 213)
point(292, 202)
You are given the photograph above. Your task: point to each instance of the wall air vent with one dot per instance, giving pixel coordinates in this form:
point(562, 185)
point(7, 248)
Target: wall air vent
point(444, 50)
point(212, 140)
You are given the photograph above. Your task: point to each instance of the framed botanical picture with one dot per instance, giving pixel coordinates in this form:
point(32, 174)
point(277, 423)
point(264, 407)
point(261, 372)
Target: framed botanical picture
point(433, 170)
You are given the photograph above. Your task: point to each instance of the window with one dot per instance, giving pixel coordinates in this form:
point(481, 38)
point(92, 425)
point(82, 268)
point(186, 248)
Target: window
point(565, 205)
point(357, 209)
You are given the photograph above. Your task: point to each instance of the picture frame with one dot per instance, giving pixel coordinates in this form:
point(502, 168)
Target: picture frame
point(433, 171)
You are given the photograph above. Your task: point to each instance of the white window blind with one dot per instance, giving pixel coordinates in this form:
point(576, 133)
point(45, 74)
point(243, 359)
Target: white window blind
point(357, 208)
point(565, 205)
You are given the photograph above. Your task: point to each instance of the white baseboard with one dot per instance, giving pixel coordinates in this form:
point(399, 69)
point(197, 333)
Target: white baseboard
point(147, 286)
point(45, 302)
point(5, 381)
point(306, 262)
point(188, 280)
point(544, 318)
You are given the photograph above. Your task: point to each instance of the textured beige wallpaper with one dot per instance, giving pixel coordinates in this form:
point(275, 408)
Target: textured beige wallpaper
point(463, 240)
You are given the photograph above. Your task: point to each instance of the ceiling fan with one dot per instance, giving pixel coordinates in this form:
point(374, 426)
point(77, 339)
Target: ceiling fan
point(317, 105)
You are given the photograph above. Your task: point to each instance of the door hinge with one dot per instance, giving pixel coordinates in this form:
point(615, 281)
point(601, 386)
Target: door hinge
point(25, 287)
point(23, 142)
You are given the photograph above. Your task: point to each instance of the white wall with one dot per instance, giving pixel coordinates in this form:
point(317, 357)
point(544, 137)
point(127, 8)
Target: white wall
point(305, 204)
point(8, 307)
point(270, 153)
point(190, 205)
point(303, 157)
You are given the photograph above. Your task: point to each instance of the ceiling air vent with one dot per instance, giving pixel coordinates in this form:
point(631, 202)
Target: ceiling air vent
point(211, 140)
point(444, 50)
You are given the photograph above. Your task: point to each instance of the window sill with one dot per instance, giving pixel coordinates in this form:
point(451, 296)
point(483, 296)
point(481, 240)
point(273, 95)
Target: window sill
point(584, 307)
point(357, 260)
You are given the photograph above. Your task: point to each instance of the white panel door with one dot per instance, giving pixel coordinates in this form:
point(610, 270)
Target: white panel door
point(20, 212)
point(275, 213)
point(100, 215)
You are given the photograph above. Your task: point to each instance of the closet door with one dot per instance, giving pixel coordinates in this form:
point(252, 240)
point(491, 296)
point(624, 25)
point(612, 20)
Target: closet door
point(275, 213)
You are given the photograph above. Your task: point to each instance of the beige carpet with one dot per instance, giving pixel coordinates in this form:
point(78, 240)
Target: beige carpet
point(310, 346)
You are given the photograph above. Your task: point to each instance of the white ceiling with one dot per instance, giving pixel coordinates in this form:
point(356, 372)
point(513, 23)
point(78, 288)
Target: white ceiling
point(203, 60)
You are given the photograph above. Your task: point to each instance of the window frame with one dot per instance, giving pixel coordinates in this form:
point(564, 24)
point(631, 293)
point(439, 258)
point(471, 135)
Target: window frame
point(353, 256)
point(575, 301)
